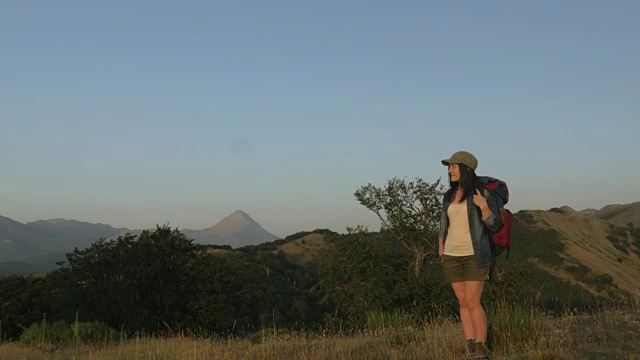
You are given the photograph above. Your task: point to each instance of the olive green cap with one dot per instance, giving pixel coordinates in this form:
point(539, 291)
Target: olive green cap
point(462, 157)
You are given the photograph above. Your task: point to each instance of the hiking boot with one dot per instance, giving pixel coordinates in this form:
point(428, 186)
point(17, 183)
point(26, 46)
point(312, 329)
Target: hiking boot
point(480, 351)
point(471, 347)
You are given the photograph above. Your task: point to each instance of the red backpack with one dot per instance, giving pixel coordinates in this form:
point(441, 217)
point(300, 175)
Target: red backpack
point(501, 238)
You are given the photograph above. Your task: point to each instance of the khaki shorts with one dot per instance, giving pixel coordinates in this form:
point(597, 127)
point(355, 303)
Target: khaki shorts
point(463, 268)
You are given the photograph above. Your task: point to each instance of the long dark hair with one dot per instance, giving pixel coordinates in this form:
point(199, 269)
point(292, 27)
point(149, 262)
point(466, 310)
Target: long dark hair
point(468, 183)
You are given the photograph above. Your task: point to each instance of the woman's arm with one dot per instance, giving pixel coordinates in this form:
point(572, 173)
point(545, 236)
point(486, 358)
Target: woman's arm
point(490, 210)
point(443, 226)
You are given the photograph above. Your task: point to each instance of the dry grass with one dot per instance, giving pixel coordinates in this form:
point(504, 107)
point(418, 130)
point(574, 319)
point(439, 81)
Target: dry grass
point(586, 240)
point(305, 250)
point(613, 334)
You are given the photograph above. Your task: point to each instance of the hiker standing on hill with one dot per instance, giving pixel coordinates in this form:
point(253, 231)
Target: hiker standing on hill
point(465, 246)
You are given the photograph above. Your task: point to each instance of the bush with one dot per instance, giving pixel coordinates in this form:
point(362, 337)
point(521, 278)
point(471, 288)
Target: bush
point(618, 243)
point(620, 232)
point(556, 210)
point(57, 333)
point(605, 279)
point(95, 332)
point(580, 272)
point(398, 319)
point(60, 333)
point(526, 217)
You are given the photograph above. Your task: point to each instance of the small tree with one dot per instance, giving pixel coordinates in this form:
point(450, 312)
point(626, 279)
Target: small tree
point(410, 211)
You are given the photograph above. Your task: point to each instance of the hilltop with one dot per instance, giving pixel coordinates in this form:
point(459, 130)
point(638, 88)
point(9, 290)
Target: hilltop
point(587, 256)
point(621, 214)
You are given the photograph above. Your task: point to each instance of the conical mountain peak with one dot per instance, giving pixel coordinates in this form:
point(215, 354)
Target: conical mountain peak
point(241, 215)
point(238, 229)
point(236, 221)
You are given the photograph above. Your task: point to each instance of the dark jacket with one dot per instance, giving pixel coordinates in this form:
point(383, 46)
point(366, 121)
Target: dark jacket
point(482, 246)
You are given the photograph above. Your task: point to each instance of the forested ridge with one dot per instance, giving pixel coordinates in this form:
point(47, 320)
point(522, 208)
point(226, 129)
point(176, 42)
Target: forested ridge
point(160, 282)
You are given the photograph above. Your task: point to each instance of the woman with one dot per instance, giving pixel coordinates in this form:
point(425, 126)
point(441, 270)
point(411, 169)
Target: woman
point(465, 246)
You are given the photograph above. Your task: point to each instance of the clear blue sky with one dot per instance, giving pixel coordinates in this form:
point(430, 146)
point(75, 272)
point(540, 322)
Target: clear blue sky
point(134, 113)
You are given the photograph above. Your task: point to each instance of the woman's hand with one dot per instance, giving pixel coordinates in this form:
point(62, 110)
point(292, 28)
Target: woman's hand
point(481, 202)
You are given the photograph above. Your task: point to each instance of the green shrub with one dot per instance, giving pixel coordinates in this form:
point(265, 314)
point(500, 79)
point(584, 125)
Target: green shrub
point(580, 271)
point(56, 333)
point(622, 248)
point(619, 243)
point(621, 232)
point(398, 319)
point(605, 279)
point(526, 217)
point(95, 332)
point(60, 333)
point(596, 281)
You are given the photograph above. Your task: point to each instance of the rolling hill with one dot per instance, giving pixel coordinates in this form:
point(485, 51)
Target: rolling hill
point(594, 251)
point(18, 240)
point(567, 250)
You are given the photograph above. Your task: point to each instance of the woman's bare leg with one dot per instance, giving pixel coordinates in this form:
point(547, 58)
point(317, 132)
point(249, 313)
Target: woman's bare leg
point(473, 293)
point(459, 288)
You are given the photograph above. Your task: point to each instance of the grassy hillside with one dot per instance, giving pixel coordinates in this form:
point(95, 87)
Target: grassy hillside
point(621, 214)
point(306, 250)
point(553, 253)
point(590, 258)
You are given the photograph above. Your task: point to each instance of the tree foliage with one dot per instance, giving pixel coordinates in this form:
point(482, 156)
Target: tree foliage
point(132, 282)
point(410, 210)
point(160, 281)
point(23, 301)
point(241, 294)
point(361, 273)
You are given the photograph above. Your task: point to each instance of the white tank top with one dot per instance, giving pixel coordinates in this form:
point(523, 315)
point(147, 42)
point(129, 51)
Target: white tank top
point(458, 242)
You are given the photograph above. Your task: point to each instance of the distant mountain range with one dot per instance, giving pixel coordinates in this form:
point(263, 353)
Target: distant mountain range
point(37, 246)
